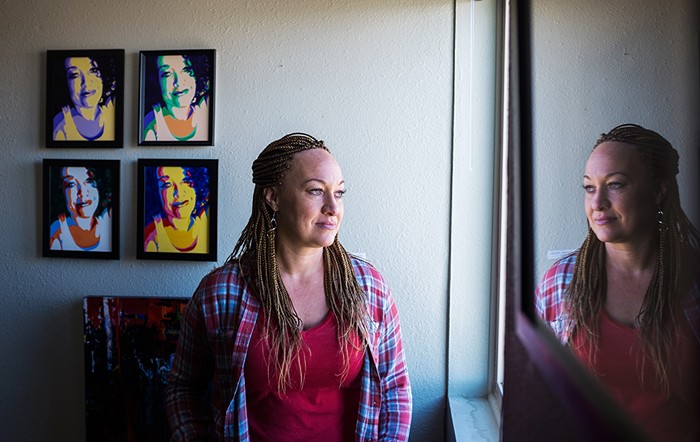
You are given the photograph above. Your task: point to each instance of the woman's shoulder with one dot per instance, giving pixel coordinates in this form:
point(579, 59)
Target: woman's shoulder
point(59, 125)
point(365, 271)
point(223, 282)
point(231, 271)
point(563, 267)
point(556, 279)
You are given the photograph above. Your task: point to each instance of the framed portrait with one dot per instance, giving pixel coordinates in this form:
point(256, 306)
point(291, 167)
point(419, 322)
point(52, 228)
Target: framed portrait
point(176, 97)
point(81, 209)
point(177, 209)
point(84, 98)
point(128, 344)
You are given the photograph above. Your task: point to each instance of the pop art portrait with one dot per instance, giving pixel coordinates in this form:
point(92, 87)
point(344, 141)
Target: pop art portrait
point(84, 98)
point(177, 97)
point(177, 209)
point(80, 208)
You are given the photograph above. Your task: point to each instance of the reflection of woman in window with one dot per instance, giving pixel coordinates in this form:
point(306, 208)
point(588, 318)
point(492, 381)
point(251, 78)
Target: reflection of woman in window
point(88, 110)
point(177, 203)
point(81, 200)
point(178, 92)
point(627, 303)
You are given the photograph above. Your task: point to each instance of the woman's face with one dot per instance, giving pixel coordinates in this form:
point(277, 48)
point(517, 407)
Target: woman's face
point(84, 81)
point(80, 191)
point(621, 197)
point(309, 202)
point(177, 192)
point(177, 80)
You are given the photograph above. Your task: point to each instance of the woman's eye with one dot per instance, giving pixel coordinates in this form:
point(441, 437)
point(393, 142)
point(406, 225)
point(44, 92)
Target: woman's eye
point(616, 185)
point(165, 185)
point(316, 192)
point(165, 74)
point(95, 71)
point(69, 184)
point(72, 75)
point(340, 193)
point(588, 188)
point(189, 71)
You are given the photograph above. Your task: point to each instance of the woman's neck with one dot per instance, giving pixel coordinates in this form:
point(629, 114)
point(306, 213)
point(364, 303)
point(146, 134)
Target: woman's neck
point(89, 113)
point(299, 264)
point(85, 223)
point(632, 258)
point(181, 113)
point(181, 224)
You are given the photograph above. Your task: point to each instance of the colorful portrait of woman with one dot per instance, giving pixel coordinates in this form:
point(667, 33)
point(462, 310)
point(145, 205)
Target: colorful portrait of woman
point(83, 97)
point(80, 206)
point(177, 91)
point(176, 207)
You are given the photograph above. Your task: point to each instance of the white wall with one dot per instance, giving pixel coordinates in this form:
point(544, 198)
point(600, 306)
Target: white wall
point(598, 64)
point(373, 79)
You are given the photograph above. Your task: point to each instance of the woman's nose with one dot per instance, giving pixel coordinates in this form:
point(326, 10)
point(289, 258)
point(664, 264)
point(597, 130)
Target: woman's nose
point(600, 200)
point(331, 205)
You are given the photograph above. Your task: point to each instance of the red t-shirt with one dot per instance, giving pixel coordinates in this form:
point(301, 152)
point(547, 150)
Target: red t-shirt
point(323, 409)
point(631, 379)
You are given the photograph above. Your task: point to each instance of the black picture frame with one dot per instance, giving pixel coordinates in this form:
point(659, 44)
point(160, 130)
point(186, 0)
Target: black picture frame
point(197, 69)
point(98, 209)
point(157, 221)
point(93, 83)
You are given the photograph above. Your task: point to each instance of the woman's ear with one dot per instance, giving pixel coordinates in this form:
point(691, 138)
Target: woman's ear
point(661, 190)
point(271, 197)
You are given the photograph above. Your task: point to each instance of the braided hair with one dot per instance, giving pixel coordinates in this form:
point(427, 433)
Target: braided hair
point(677, 248)
point(256, 246)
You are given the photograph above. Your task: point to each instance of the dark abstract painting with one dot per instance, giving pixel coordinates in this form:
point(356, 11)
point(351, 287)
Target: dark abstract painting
point(129, 345)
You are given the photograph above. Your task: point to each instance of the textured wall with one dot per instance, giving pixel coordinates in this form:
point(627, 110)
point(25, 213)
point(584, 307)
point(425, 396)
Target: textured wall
point(373, 79)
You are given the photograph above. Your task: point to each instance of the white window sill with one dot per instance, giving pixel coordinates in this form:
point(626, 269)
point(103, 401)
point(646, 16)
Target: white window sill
point(471, 419)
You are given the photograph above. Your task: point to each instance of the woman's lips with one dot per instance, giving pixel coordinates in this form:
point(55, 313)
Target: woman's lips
point(604, 220)
point(327, 226)
point(180, 203)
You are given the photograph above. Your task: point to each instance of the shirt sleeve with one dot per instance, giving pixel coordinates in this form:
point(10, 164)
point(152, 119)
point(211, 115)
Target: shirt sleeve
point(550, 296)
point(396, 402)
point(187, 403)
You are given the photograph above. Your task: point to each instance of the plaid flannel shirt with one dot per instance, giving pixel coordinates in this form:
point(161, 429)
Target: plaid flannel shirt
point(206, 395)
point(550, 299)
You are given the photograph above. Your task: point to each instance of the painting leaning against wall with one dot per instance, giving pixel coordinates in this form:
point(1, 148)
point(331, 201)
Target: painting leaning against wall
point(129, 344)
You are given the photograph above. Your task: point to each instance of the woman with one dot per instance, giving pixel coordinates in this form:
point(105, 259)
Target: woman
point(180, 223)
point(84, 222)
point(627, 303)
point(91, 116)
point(299, 338)
point(181, 111)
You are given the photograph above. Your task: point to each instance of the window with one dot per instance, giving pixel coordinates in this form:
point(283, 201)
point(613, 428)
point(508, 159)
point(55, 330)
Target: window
point(474, 372)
